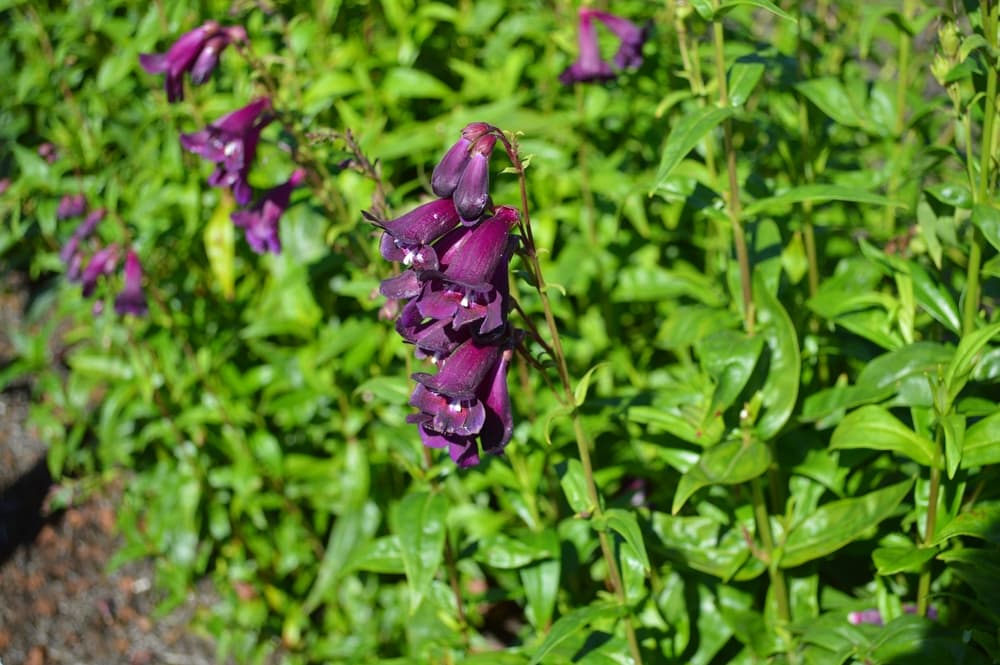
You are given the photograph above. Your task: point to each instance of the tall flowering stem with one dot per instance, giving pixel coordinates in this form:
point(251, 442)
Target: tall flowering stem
point(582, 441)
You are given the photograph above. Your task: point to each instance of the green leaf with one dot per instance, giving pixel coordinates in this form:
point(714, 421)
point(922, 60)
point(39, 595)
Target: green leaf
point(835, 524)
point(727, 5)
point(893, 560)
point(403, 82)
point(781, 387)
point(580, 392)
point(743, 78)
point(954, 441)
point(817, 194)
point(575, 486)
point(957, 196)
point(685, 136)
point(696, 542)
point(420, 525)
point(982, 442)
point(873, 427)
point(980, 521)
point(502, 551)
point(382, 555)
point(540, 580)
point(729, 357)
point(627, 526)
point(830, 95)
point(570, 624)
point(219, 238)
point(729, 463)
point(987, 219)
point(966, 357)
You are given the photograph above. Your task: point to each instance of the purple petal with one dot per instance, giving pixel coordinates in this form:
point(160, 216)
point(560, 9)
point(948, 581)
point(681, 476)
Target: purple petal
point(132, 300)
point(449, 170)
point(472, 192)
point(589, 65)
point(406, 285)
point(463, 371)
point(102, 263)
point(71, 205)
point(498, 425)
point(474, 258)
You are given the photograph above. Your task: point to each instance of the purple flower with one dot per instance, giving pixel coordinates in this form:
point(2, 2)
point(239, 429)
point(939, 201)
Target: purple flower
point(261, 221)
point(231, 142)
point(102, 263)
point(48, 152)
point(465, 402)
point(132, 300)
point(434, 340)
point(196, 52)
point(589, 65)
point(449, 170)
point(472, 194)
point(71, 205)
point(473, 285)
point(4, 185)
point(874, 617)
point(70, 253)
point(631, 36)
point(407, 239)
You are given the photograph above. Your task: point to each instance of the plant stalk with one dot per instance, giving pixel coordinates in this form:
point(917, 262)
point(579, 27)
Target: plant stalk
point(924, 585)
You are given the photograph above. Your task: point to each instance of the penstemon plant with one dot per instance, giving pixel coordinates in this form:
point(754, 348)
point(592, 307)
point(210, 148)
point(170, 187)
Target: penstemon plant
point(711, 379)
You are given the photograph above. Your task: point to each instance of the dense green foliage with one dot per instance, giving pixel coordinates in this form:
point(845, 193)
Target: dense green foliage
point(771, 255)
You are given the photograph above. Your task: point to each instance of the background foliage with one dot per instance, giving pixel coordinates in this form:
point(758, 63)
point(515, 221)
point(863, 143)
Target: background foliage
point(766, 465)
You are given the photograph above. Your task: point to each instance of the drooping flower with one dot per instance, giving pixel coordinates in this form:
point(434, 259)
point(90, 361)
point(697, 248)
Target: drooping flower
point(71, 205)
point(132, 299)
point(448, 171)
point(261, 221)
point(473, 283)
point(196, 52)
point(408, 238)
point(472, 193)
point(589, 65)
point(103, 262)
point(466, 405)
point(70, 253)
point(231, 142)
point(631, 36)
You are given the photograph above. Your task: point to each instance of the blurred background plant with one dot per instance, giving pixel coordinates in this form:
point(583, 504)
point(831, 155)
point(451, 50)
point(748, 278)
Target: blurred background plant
point(771, 251)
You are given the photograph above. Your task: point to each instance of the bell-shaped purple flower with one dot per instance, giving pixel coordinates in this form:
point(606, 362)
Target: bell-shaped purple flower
point(231, 142)
point(434, 340)
point(132, 300)
point(589, 65)
point(71, 205)
point(631, 38)
point(407, 239)
point(261, 221)
point(449, 170)
point(473, 285)
point(196, 52)
point(444, 420)
point(103, 262)
point(472, 193)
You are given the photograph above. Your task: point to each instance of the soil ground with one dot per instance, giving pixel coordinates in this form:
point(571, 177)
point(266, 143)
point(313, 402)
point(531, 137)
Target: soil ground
point(59, 602)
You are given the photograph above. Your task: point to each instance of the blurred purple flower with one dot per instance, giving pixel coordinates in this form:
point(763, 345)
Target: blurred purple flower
point(132, 300)
point(874, 617)
point(4, 185)
point(71, 205)
point(261, 221)
point(465, 402)
point(101, 263)
point(196, 52)
point(70, 253)
point(407, 239)
point(231, 142)
point(589, 65)
point(449, 170)
point(48, 152)
point(631, 36)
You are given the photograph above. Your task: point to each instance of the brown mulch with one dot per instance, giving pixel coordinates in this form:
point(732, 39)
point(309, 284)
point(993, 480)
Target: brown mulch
point(59, 602)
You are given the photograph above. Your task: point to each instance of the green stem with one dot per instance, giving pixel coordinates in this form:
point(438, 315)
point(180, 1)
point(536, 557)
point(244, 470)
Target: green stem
point(733, 201)
point(924, 586)
point(970, 305)
point(902, 83)
point(582, 443)
point(777, 576)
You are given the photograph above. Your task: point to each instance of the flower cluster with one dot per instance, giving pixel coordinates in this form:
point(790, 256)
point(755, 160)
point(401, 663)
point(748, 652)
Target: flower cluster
point(229, 142)
point(589, 65)
point(456, 250)
point(86, 261)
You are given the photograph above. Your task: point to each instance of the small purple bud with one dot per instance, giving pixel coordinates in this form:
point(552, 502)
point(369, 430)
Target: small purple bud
point(48, 152)
point(472, 194)
point(102, 263)
point(71, 205)
point(132, 300)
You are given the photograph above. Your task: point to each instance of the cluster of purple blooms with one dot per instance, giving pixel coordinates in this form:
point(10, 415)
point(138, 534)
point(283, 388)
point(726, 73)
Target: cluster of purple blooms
point(86, 267)
point(589, 65)
point(231, 141)
point(456, 252)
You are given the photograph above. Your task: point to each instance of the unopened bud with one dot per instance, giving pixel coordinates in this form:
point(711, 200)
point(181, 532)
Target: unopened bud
point(950, 40)
point(940, 68)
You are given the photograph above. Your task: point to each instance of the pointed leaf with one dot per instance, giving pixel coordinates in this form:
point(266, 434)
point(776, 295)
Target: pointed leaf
point(762, 4)
point(219, 239)
point(781, 388)
point(954, 441)
point(981, 521)
point(987, 218)
point(420, 525)
point(874, 428)
point(817, 194)
point(729, 463)
point(575, 486)
point(966, 357)
point(685, 136)
point(982, 442)
point(835, 524)
point(627, 526)
point(572, 623)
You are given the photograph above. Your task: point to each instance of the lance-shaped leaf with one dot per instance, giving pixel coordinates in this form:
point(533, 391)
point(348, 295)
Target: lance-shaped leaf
point(835, 524)
point(420, 525)
point(982, 442)
point(685, 136)
point(729, 463)
point(874, 428)
point(781, 389)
